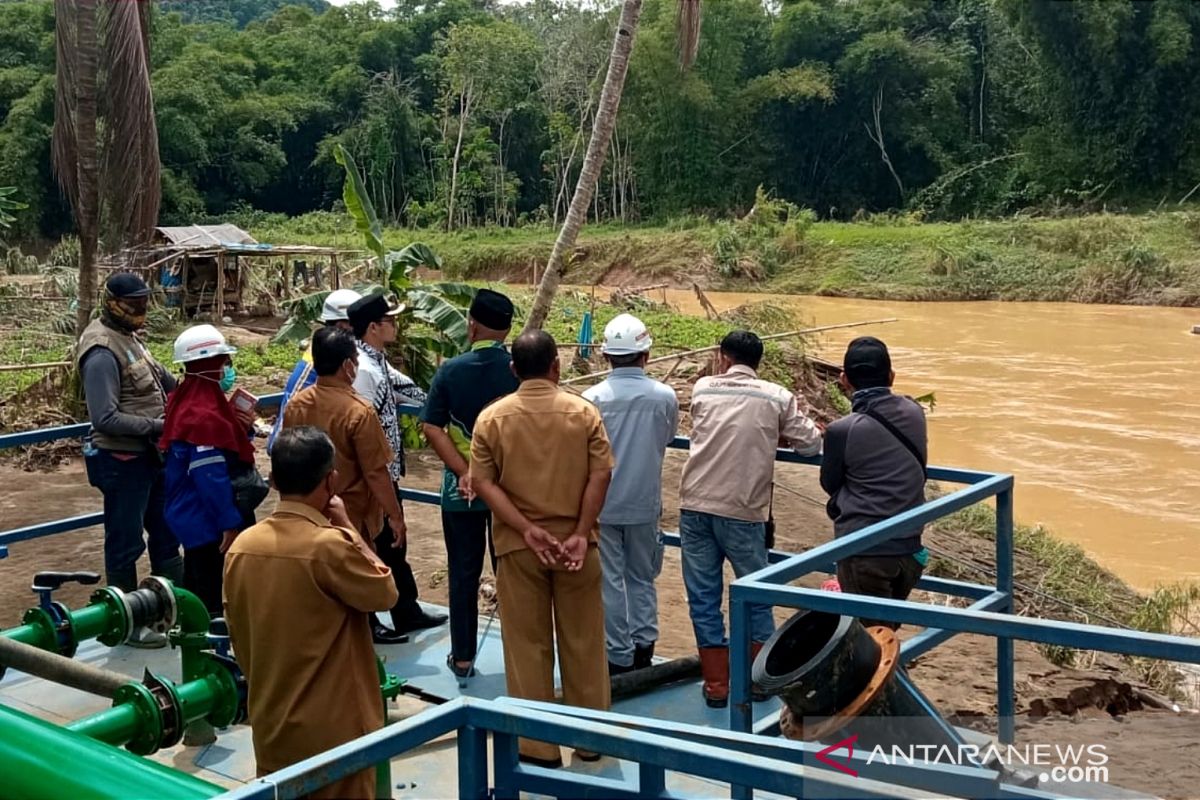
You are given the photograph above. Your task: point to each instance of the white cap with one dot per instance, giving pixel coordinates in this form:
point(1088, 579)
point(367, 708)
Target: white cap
point(625, 336)
point(336, 304)
point(201, 341)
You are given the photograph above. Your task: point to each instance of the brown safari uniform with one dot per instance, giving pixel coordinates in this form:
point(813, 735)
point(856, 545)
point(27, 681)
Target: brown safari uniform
point(298, 598)
point(358, 438)
point(539, 445)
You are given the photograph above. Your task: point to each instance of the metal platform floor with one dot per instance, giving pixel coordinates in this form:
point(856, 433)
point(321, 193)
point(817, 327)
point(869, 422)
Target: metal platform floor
point(427, 772)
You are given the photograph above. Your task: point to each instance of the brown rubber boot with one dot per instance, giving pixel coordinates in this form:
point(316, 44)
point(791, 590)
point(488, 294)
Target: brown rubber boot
point(714, 668)
point(757, 695)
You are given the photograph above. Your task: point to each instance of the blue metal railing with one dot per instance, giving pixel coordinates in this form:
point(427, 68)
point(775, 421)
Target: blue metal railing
point(990, 614)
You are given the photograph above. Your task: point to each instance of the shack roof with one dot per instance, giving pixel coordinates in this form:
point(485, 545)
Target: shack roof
point(206, 236)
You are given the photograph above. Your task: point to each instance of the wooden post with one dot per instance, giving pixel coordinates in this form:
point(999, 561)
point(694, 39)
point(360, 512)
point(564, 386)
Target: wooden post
point(240, 305)
point(336, 280)
point(219, 298)
point(183, 300)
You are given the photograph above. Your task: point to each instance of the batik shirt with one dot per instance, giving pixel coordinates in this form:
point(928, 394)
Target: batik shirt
point(385, 387)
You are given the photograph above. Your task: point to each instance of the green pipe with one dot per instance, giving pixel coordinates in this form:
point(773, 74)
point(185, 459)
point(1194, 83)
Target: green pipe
point(40, 761)
point(104, 618)
point(116, 726)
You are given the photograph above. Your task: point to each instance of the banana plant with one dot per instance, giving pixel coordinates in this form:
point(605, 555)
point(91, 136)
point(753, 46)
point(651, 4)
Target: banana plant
point(8, 203)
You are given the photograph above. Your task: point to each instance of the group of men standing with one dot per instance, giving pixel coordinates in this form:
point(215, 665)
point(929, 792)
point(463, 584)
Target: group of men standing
point(566, 492)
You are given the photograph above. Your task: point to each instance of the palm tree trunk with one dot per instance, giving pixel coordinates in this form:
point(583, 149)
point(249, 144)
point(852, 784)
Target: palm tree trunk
point(593, 162)
point(88, 212)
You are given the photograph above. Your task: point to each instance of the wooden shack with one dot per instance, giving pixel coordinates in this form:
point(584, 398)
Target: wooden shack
point(207, 269)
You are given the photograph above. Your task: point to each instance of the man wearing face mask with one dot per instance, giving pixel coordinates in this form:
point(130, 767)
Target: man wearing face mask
point(373, 320)
point(206, 444)
point(126, 390)
point(364, 454)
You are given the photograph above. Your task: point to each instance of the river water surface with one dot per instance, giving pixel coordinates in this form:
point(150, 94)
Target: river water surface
point(1095, 409)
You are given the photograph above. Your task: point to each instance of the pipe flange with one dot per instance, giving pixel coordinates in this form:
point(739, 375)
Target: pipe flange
point(889, 659)
point(64, 630)
point(165, 594)
point(118, 601)
point(170, 710)
point(150, 728)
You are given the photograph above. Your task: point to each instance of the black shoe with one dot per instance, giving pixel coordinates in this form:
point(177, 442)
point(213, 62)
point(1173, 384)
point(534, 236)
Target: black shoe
point(617, 669)
point(382, 635)
point(643, 656)
point(460, 672)
point(547, 763)
point(420, 621)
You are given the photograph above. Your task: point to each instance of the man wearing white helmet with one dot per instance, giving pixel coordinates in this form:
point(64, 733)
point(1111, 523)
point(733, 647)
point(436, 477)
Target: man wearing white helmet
point(641, 416)
point(335, 312)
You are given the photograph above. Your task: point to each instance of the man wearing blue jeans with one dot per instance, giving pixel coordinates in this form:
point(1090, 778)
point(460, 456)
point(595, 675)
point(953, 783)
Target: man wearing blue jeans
point(738, 420)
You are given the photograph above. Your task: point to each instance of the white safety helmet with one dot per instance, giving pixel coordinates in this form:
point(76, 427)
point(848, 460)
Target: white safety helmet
point(201, 341)
point(626, 335)
point(337, 305)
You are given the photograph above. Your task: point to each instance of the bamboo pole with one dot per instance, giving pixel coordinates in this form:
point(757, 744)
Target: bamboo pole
point(787, 334)
point(43, 365)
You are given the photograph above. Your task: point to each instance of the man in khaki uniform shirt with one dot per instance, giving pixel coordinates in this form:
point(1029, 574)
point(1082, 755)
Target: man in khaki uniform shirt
point(541, 461)
point(299, 591)
point(363, 452)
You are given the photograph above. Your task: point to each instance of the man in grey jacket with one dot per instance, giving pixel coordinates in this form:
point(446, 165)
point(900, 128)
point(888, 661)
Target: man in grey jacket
point(873, 469)
point(641, 416)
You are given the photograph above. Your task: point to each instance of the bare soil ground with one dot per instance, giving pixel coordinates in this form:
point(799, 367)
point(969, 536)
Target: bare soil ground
point(1154, 750)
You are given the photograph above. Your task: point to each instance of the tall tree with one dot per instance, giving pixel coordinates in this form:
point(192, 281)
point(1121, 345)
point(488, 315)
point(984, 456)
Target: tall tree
point(597, 150)
point(106, 39)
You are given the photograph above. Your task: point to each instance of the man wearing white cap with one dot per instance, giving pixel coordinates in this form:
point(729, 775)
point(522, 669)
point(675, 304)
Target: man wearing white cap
point(641, 416)
point(334, 313)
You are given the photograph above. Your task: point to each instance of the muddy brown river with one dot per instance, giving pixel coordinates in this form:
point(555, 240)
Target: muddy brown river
point(1094, 409)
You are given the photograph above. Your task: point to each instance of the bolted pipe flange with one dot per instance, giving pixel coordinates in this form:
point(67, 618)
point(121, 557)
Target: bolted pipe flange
point(120, 612)
point(150, 723)
point(170, 710)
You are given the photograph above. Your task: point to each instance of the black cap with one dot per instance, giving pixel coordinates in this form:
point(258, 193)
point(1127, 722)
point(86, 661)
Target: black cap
point(126, 284)
point(867, 363)
point(492, 310)
point(372, 308)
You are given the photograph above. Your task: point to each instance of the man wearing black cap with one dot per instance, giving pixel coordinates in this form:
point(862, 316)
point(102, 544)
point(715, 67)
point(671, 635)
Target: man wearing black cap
point(874, 468)
point(373, 320)
point(461, 389)
point(126, 393)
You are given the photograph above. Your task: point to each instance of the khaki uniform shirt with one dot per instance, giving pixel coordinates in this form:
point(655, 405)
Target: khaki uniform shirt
point(298, 593)
point(737, 422)
point(362, 446)
point(539, 445)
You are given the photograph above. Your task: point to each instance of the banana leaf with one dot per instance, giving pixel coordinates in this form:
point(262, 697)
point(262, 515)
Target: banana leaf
point(358, 203)
point(445, 317)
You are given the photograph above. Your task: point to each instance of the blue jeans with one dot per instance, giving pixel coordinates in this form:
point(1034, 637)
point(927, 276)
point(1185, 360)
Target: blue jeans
point(133, 502)
point(708, 540)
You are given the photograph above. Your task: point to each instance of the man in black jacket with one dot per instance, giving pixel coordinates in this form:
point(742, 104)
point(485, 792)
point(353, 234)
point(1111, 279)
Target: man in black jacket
point(873, 469)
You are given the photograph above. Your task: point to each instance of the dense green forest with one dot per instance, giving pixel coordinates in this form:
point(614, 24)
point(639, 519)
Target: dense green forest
point(946, 108)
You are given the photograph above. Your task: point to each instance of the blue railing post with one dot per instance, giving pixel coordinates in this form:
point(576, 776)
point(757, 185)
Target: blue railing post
point(472, 763)
point(1005, 677)
point(504, 762)
point(741, 711)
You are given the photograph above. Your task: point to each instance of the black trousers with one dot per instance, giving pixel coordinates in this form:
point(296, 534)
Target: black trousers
point(203, 575)
point(879, 576)
point(467, 534)
point(406, 607)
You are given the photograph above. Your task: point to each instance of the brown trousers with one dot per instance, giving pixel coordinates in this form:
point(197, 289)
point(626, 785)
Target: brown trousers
point(539, 605)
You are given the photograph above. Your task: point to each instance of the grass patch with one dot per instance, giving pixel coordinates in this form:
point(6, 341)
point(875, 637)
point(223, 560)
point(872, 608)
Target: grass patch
point(1147, 259)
